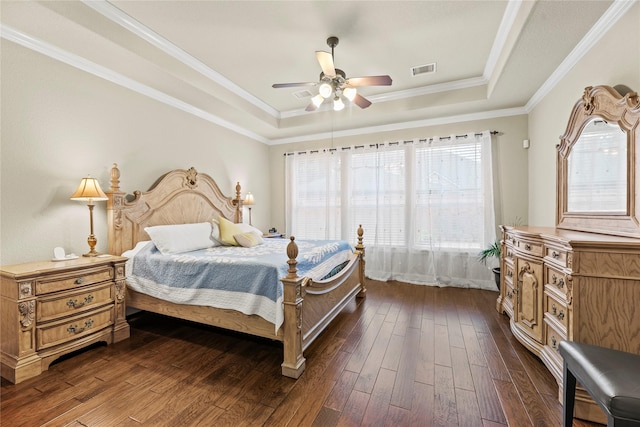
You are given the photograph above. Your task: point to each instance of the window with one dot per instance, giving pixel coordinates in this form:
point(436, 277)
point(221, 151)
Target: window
point(424, 196)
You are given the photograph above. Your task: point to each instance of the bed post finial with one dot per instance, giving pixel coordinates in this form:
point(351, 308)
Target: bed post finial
point(115, 178)
point(294, 361)
point(237, 202)
point(238, 188)
point(292, 253)
point(360, 248)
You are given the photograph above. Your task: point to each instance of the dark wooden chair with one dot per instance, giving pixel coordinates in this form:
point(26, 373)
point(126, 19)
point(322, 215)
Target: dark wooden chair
point(611, 377)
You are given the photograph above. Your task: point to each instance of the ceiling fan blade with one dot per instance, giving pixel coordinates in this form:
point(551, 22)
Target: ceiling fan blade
point(361, 101)
point(369, 81)
point(326, 63)
point(311, 107)
point(278, 85)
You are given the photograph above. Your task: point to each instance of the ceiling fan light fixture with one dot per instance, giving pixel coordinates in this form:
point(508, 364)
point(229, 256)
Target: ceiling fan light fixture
point(349, 93)
point(317, 100)
point(333, 83)
point(325, 90)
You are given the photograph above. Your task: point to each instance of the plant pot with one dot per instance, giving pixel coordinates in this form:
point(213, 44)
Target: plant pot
point(496, 275)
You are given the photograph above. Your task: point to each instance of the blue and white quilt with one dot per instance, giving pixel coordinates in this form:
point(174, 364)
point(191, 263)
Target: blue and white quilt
point(231, 277)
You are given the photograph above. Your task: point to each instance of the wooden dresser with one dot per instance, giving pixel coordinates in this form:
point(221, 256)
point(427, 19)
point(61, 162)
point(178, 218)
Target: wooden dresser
point(580, 280)
point(561, 284)
point(52, 308)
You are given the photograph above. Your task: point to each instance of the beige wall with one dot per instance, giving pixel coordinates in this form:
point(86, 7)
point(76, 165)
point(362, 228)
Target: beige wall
point(60, 123)
point(614, 60)
point(510, 167)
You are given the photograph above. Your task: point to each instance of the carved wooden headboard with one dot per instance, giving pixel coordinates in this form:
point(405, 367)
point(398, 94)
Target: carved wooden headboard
point(177, 197)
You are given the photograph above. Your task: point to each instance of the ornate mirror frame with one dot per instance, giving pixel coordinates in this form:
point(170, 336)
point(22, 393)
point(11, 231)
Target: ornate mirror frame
point(602, 103)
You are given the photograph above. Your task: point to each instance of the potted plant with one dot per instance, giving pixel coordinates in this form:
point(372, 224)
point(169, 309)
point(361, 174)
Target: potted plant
point(492, 251)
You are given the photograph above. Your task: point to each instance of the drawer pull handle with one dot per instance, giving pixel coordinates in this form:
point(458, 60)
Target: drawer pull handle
point(561, 315)
point(554, 309)
point(510, 294)
point(72, 303)
point(527, 247)
point(509, 273)
point(513, 241)
point(79, 280)
point(73, 329)
point(561, 283)
point(509, 254)
point(553, 342)
point(555, 254)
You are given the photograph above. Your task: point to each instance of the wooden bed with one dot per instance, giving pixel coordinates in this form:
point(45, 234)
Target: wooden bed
point(186, 196)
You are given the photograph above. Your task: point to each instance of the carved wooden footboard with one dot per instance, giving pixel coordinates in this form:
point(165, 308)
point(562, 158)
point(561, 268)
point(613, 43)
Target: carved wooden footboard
point(186, 196)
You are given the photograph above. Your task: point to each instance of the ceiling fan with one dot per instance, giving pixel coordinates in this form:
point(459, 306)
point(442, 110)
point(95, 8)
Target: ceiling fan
point(334, 83)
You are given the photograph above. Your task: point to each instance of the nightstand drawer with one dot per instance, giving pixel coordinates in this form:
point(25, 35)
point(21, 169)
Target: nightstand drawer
point(73, 279)
point(71, 303)
point(55, 333)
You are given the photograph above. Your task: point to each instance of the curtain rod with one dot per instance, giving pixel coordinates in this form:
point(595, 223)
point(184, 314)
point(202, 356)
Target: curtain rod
point(410, 141)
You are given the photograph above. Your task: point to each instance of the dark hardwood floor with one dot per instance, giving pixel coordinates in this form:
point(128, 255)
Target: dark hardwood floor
point(406, 355)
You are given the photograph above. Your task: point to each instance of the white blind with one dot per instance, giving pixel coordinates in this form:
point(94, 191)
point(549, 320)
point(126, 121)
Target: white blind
point(449, 203)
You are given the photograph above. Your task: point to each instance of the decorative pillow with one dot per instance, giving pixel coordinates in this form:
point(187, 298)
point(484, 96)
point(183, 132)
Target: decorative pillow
point(249, 239)
point(174, 239)
point(228, 229)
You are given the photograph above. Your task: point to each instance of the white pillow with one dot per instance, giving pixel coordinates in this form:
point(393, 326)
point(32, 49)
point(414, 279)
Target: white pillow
point(215, 231)
point(174, 239)
point(249, 239)
point(246, 228)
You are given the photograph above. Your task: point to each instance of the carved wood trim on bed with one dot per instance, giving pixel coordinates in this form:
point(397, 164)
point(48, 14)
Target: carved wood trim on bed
point(186, 196)
point(178, 197)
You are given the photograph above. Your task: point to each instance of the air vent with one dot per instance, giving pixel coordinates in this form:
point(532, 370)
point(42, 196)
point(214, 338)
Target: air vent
point(302, 94)
point(423, 69)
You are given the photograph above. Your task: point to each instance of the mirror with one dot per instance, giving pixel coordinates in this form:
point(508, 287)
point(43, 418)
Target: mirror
point(597, 164)
point(597, 170)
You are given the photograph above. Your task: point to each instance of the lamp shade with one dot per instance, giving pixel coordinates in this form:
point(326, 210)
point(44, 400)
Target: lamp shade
point(249, 200)
point(89, 190)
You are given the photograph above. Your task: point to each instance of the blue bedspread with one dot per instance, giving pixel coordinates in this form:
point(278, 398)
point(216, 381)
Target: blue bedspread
point(243, 279)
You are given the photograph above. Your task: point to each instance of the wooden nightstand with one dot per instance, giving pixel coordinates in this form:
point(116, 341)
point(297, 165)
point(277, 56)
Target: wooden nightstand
point(273, 235)
point(52, 308)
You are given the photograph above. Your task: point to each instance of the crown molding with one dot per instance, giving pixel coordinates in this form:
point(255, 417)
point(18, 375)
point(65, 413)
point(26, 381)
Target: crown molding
point(114, 14)
point(483, 115)
point(600, 28)
point(80, 63)
point(403, 94)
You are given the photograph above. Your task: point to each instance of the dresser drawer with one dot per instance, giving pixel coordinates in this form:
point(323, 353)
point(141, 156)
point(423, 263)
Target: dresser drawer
point(533, 248)
point(73, 302)
point(80, 277)
point(554, 337)
point(510, 295)
point(556, 279)
point(557, 309)
point(55, 333)
point(559, 256)
point(508, 274)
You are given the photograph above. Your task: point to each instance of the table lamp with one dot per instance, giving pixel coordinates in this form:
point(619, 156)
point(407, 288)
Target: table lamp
point(249, 201)
point(89, 191)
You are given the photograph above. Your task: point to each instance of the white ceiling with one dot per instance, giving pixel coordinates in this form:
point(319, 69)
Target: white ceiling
point(218, 59)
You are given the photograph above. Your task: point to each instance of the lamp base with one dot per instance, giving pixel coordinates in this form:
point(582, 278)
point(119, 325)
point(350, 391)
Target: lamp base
point(92, 241)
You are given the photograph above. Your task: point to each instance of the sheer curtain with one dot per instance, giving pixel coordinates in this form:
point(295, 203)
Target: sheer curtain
point(426, 206)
